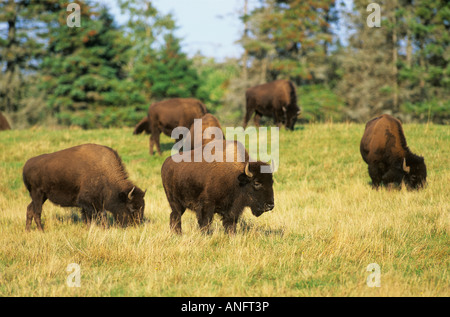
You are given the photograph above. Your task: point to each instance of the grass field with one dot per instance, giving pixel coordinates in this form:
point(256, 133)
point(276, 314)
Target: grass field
point(327, 226)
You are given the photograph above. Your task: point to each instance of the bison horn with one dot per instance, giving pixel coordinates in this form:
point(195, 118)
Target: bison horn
point(405, 168)
point(130, 194)
point(247, 171)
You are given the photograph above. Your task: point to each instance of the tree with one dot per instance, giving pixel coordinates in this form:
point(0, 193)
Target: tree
point(400, 67)
point(84, 70)
point(291, 39)
point(22, 46)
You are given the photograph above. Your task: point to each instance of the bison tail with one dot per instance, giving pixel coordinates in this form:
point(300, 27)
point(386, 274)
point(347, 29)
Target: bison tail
point(25, 181)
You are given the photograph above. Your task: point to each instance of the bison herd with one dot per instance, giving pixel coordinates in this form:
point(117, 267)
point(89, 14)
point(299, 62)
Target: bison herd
point(93, 177)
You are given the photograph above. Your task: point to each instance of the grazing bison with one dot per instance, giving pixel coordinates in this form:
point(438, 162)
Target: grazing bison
point(4, 125)
point(383, 147)
point(88, 176)
point(164, 116)
point(208, 121)
point(224, 188)
point(142, 126)
point(277, 99)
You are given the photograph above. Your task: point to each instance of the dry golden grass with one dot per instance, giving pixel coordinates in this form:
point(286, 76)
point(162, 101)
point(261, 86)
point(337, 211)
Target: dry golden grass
point(328, 225)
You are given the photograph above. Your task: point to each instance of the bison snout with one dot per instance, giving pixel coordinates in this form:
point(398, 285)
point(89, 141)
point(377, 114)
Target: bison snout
point(268, 206)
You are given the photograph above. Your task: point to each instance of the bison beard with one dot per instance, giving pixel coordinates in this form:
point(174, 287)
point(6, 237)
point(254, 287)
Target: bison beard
point(383, 147)
point(90, 176)
point(223, 188)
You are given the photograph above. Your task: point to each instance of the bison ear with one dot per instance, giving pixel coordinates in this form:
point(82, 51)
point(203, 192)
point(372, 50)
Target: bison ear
point(123, 196)
point(243, 179)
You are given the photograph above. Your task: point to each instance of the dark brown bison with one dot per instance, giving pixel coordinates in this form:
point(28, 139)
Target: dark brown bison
point(142, 126)
point(223, 188)
point(89, 176)
point(208, 121)
point(164, 116)
point(277, 99)
point(4, 125)
point(383, 147)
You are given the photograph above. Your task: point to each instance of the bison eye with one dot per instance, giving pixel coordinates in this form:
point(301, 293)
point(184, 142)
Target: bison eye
point(257, 185)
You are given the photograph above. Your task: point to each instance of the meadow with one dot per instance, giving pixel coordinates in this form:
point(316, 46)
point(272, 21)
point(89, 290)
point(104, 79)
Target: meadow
point(327, 226)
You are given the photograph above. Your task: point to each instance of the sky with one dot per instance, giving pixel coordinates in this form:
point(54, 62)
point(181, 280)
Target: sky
point(210, 27)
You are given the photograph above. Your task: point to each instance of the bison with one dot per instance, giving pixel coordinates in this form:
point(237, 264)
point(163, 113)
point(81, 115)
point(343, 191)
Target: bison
point(164, 116)
point(89, 176)
point(223, 188)
point(142, 126)
point(277, 99)
point(205, 134)
point(4, 125)
point(383, 147)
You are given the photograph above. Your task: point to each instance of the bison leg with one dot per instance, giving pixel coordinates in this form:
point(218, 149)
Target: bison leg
point(175, 217)
point(247, 117)
point(34, 210)
point(121, 219)
point(375, 175)
point(87, 215)
point(229, 223)
point(205, 216)
point(256, 119)
point(30, 216)
point(154, 140)
point(277, 119)
point(393, 176)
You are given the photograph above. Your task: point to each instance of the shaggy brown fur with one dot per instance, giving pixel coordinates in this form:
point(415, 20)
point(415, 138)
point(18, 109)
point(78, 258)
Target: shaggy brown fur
point(223, 188)
point(277, 99)
point(4, 125)
point(89, 176)
point(208, 121)
point(383, 147)
point(164, 116)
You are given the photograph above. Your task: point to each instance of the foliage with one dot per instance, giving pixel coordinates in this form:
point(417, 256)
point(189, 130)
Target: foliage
point(103, 74)
point(320, 104)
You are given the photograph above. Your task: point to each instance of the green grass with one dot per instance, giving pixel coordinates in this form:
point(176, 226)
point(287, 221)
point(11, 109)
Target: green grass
point(327, 226)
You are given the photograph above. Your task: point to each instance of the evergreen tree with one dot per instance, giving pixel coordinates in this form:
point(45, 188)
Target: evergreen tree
point(22, 45)
point(83, 72)
point(291, 39)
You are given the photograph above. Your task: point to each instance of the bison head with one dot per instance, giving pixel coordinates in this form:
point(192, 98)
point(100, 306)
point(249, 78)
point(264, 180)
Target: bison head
point(134, 204)
point(415, 171)
point(291, 114)
point(258, 187)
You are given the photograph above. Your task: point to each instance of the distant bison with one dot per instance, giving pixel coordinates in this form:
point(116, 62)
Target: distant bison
point(89, 176)
point(142, 126)
point(206, 135)
point(164, 116)
point(4, 125)
point(277, 99)
point(224, 188)
point(383, 147)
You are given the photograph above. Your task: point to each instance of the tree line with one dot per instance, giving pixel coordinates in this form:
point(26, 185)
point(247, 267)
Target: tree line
point(103, 74)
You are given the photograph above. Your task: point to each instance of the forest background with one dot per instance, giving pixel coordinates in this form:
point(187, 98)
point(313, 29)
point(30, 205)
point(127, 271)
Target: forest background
point(106, 74)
